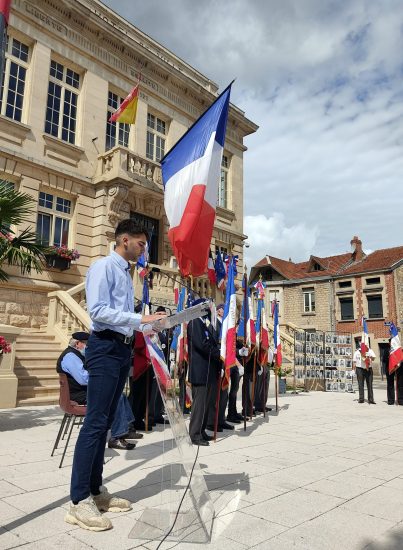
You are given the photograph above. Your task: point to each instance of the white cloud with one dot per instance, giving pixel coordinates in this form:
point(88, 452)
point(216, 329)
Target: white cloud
point(322, 79)
point(272, 236)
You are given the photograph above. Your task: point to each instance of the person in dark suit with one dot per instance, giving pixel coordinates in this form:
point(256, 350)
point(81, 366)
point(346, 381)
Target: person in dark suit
point(397, 376)
point(204, 366)
point(217, 386)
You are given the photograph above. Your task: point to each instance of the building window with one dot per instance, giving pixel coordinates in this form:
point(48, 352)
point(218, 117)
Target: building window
point(223, 185)
point(14, 78)
point(375, 310)
point(309, 300)
point(373, 281)
point(153, 228)
point(53, 222)
point(274, 295)
point(345, 284)
point(61, 109)
point(346, 309)
point(156, 132)
point(117, 133)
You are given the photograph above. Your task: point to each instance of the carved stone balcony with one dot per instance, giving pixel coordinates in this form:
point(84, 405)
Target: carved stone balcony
point(120, 164)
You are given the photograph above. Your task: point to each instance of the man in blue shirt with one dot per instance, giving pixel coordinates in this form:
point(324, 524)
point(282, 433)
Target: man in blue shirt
point(110, 304)
point(71, 362)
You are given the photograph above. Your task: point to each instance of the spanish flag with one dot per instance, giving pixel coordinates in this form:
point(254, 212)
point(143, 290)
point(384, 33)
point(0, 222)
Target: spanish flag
point(128, 108)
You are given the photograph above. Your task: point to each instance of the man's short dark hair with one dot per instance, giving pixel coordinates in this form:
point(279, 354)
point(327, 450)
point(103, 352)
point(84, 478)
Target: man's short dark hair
point(130, 227)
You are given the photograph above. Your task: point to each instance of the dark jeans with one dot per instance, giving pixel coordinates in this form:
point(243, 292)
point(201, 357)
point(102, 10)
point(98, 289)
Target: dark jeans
point(123, 417)
point(108, 363)
point(198, 418)
point(367, 375)
point(232, 412)
point(390, 379)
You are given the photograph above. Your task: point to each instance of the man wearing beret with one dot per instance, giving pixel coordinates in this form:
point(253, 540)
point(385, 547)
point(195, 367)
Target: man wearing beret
point(72, 363)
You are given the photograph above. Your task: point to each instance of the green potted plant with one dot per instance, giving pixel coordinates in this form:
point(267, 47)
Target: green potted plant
point(60, 257)
point(282, 373)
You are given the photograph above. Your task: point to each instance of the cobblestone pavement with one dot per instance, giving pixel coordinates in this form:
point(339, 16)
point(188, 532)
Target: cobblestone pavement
point(323, 473)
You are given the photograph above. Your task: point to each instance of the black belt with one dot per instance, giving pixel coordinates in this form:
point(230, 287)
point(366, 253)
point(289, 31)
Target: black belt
point(112, 334)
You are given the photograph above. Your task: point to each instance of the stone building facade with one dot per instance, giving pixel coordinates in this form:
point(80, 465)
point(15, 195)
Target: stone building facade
point(334, 293)
point(69, 64)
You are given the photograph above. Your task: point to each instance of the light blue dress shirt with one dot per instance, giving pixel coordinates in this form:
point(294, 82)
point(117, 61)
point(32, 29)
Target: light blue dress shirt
point(75, 367)
point(110, 296)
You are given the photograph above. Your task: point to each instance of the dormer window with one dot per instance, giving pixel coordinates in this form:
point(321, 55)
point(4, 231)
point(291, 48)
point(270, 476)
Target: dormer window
point(316, 267)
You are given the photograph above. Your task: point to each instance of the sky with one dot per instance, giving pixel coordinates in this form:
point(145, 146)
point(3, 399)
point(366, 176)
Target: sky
point(323, 79)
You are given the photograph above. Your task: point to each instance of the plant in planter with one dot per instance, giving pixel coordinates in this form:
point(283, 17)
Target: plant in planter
point(60, 257)
point(282, 375)
point(5, 347)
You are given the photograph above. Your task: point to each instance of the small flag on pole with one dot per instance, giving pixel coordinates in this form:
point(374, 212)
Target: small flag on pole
point(364, 346)
point(228, 329)
point(396, 354)
point(211, 270)
point(127, 111)
point(220, 271)
point(276, 335)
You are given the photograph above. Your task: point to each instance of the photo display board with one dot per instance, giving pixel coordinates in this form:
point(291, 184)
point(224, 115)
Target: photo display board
point(324, 360)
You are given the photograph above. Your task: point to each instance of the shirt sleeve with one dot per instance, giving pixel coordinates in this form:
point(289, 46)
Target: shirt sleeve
point(73, 366)
point(99, 281)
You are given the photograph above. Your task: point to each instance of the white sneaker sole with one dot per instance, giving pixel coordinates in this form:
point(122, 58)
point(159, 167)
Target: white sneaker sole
point(114, 509)
point(74, 521)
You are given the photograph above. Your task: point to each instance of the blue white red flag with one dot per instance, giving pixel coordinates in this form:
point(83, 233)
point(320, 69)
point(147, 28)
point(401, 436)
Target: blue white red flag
point(364, 346)
point(247, 311)
point(276, 335)
point(146, 297)
point(228, 328)
point(156, 356)
point(142, 262)
point(191, 173)
point(260, 290)
point(220, 270)
point(396, 354)
point(211, 270)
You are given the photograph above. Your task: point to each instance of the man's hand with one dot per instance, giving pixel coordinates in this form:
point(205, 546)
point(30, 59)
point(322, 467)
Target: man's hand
point(152, 318)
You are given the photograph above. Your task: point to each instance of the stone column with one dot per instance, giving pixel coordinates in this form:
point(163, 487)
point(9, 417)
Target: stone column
point(8, 380)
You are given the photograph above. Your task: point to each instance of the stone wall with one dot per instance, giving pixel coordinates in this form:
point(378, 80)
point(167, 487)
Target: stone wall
point(294, 306)
point(23, 308)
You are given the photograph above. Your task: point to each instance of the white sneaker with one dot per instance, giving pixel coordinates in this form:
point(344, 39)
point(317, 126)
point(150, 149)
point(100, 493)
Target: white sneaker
point(87, 515)
point(110, 503)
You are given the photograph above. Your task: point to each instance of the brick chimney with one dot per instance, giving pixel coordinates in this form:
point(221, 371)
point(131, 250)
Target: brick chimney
point(356, 249)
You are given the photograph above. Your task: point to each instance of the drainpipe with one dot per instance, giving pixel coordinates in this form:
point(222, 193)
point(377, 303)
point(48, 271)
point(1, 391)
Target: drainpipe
point(331, 306)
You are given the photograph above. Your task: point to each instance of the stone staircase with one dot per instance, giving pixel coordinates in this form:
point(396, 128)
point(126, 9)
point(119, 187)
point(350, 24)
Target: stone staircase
point(35, 367)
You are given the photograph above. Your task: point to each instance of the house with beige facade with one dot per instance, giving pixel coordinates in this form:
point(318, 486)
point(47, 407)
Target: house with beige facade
point(68, 67)
point(333, 293)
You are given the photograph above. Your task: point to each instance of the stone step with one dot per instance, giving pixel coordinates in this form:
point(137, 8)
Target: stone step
point(44, 380)
point(51, 390)
point(38, 346)
point(41, 400)
point(35, 337)
point(34, 370)
point(33, 355)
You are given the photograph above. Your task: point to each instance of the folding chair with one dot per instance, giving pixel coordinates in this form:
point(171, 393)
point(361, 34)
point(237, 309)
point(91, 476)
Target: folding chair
point(73, 415)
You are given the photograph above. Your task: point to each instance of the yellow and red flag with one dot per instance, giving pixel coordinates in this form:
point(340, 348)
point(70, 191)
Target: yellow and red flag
point(128, 108)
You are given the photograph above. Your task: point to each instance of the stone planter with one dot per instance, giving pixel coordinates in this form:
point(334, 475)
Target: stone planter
point(8, 380)
point(57, 262)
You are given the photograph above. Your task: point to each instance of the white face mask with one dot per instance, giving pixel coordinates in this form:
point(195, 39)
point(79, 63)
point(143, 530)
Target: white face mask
point(82, 351)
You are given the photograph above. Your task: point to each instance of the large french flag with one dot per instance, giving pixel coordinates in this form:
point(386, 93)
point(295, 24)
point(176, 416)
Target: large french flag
point(276, 335)
point(228, 329)
point(191, 173)
point(396, 354)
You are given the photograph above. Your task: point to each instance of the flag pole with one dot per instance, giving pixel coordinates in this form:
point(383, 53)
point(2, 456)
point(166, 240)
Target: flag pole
point(276, 383)
point(253, 386)
point(245, 281)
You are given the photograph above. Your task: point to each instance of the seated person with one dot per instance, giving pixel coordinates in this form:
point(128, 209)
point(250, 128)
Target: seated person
point(72, 363)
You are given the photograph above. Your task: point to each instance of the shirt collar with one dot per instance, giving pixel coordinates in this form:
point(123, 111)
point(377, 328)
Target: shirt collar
point(119, 260)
